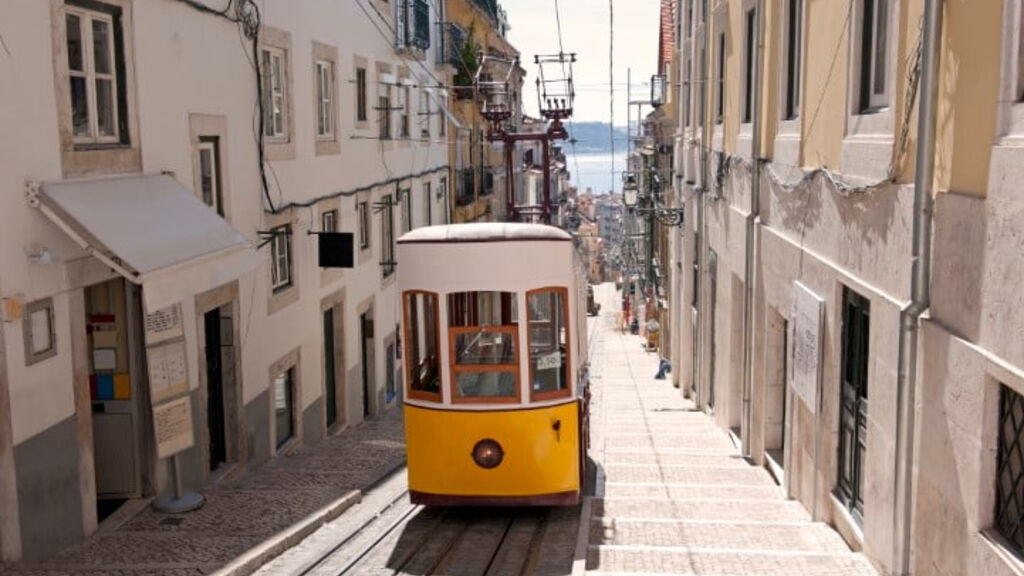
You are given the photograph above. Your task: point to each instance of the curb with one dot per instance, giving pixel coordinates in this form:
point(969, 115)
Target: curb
point(256, 557)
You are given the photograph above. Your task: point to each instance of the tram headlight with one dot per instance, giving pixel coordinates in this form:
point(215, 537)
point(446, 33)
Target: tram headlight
point(488, 453)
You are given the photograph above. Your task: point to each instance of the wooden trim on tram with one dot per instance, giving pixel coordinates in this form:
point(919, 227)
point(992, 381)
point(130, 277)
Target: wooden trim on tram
point(421, 394)
point(569, 498)
point(453, 331)
point(567, 392)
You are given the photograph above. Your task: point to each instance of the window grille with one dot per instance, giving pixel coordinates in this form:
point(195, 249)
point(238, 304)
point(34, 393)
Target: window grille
point(1009, 516)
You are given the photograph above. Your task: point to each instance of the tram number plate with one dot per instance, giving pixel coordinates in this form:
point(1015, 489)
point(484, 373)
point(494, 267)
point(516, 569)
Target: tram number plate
point(549, 361)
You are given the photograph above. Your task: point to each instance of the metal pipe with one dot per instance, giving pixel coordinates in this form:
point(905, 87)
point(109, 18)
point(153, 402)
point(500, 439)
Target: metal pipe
point(920, 285)
point(752, 221)
point(700, 200)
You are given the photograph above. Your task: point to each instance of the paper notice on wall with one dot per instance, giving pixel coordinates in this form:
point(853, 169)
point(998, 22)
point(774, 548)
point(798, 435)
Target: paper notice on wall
point(549, 361)
point(163, 325)
point(168, 370)
point(805, 347)
point(172, 423)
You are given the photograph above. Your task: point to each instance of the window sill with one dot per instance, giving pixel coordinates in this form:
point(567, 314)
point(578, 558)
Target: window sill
point(995, 546)
point(279, 148)
point(112, 159)
point(327, 146)
point(282, 298)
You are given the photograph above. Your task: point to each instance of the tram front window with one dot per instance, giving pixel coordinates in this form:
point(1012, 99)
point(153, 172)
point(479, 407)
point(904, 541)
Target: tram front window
point(548, 331)
point(484, 331)
point(423, 356)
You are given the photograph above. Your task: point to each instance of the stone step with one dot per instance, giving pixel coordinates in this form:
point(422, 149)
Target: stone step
point(718, 535)
point(700, 509)
point(678, 475)
point(648, 560)
point(726, 491)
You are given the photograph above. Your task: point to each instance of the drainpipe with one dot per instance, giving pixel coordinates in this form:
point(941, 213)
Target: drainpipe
point(920, 289)
point(704, 393)
point(752, 222)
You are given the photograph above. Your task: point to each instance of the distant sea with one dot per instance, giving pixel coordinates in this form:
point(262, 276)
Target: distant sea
point(595, 170)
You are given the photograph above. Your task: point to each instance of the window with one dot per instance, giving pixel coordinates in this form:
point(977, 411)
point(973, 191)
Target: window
point(38, 328)
point(361, 94)
point(688, 88)
point(281, 258)
point(1009, 514)
point(548, 333)
point(720, 81)
point(749, 44)
point(1019, 91)
point(854, 401)
point(387, 235)
point(428, 203)
point(442, 193)
point(364, 225)
point(274, 76)
point(406, 199)
point(422, 356)
point(284, 403)
point(424, 114)
point(442, 122)
point(209, 173)
point(329, 221)
point(794, 58)
point(874, 52)
point(403, 107)
point(96, 87)
point(484, 333)
point(702, 88)
point(384, 111)
point(325, 99)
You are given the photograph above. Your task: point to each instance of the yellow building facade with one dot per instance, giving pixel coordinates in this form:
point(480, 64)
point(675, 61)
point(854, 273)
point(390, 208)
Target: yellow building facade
point(475, 28)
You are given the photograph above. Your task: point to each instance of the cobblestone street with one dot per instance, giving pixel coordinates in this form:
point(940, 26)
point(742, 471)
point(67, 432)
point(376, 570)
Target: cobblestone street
point(239, 514)
point(674, 496)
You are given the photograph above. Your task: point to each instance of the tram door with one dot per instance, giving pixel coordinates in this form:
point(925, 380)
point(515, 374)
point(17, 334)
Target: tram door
point(114, 339)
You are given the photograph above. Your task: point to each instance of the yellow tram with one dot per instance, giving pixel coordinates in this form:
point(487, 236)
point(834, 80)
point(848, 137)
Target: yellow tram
point(494, 338)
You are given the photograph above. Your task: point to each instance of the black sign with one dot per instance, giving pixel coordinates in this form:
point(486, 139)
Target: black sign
point(336, 250)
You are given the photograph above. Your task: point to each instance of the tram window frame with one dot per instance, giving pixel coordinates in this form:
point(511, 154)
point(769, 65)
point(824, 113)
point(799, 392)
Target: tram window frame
point(412, 345)
point(512, 329)
point(566, 392)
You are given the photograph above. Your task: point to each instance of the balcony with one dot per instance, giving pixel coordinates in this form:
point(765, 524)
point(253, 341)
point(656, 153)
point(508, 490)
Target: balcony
point(412, 27)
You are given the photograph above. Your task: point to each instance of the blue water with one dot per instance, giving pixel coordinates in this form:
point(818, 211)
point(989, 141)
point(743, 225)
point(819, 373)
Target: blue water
point(595, 171)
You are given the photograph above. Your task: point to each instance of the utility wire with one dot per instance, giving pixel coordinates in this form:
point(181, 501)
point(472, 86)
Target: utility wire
point(572, 123)
point(611, 86)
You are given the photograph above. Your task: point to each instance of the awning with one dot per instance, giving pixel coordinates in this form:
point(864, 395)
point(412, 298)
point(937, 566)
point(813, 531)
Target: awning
point(153, 231)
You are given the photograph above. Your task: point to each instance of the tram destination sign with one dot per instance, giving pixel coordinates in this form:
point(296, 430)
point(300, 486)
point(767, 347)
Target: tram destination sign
point(805, 347)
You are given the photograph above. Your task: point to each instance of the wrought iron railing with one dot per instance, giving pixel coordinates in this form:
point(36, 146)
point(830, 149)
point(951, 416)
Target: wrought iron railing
point(1010, 469)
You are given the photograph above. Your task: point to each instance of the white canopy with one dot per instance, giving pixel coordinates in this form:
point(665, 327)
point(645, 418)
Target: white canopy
point(152, 230)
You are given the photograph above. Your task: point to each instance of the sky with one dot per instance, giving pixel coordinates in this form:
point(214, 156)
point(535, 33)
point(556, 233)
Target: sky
point(585, 31)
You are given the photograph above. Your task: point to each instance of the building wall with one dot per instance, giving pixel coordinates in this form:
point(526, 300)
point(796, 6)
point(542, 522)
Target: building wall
point(808, 231)
point(192, 75)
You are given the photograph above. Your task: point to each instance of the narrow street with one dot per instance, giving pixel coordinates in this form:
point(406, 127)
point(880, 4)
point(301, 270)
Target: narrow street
point(673, 493)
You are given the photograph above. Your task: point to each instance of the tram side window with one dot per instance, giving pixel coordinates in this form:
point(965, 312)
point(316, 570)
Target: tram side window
point(423, 357)
point(548, 331)
point(484, 331)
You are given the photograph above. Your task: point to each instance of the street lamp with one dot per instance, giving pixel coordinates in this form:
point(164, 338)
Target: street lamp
point(630, 190)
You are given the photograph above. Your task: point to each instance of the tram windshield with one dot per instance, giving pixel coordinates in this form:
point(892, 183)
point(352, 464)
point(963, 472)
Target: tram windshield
point(423, 356)
point(484, 331)
point(548, 330)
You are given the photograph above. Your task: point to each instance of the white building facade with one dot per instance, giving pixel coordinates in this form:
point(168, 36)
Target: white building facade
point(131, 183)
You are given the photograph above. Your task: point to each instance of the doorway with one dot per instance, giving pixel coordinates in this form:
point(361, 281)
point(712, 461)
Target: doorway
point(776, 368)
point(113, 312)
point(713, 316)
point(330, 369)
point(367, 358)
point(219, 356)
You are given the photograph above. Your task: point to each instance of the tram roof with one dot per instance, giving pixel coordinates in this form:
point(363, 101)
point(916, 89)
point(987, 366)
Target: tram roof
point(484, 232)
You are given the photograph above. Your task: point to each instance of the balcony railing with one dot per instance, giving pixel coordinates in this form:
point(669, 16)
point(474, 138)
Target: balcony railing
point(412, 25)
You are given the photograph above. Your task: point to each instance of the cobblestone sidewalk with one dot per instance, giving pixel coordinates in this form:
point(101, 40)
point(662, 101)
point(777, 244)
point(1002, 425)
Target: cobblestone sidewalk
point(676, 495)
point(239, 514)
